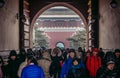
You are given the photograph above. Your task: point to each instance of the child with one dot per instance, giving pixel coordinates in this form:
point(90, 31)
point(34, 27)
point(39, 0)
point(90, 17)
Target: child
point(76, 71)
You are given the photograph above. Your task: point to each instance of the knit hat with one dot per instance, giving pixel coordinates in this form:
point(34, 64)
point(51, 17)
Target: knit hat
point(110, 62)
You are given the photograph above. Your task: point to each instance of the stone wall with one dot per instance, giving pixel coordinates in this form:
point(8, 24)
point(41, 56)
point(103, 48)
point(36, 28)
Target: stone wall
point(109, 25)
point(9, 26)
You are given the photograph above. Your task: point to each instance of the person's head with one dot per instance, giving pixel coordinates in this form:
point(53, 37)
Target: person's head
point(111, 65)
point(72, 53)
point(29, 52)
point(75, 61)
point(117, 52)
point(88, 53)
point(80, 49)
point(12, 55)
point(56, 51)
point(31, 59)
point(67, 50)
point(95, 51)
point(79, 55)
point(46, 54)
point(22, 51)
point(109, 54)
point(100, 49)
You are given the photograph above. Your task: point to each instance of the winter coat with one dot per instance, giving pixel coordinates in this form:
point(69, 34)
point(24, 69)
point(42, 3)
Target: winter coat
point(22, 65)
point(55, 67)
point(103, 72)
point(93, 63)
point(76, 72)
point(12, 68)
point(82, 64)
point(45, 65)
point(117, 62)
point(66, 67)
point(32, 71)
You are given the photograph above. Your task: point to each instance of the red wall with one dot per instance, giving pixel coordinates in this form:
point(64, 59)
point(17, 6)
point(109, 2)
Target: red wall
point(59, 36)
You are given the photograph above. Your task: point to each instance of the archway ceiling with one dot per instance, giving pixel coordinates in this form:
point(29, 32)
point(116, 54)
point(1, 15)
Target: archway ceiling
point(36, 5)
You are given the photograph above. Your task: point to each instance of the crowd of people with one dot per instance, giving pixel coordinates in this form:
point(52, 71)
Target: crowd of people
point(61, 63)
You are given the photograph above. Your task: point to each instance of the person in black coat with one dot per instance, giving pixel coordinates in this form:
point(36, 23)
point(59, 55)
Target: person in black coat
point(55, 67)
point(108, 71)
point(22, 55)
point(13, 65)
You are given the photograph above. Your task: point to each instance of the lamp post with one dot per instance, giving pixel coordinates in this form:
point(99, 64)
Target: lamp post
point(1, 3)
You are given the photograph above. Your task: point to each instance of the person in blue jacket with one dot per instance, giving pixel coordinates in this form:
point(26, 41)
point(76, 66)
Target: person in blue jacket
point(67, 64)
point(32, 70)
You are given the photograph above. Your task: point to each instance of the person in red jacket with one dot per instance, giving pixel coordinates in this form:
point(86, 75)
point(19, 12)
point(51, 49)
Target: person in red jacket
point(93, 63)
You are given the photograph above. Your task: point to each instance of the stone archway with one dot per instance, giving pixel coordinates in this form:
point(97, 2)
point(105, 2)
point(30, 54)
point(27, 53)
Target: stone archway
point(53, 5)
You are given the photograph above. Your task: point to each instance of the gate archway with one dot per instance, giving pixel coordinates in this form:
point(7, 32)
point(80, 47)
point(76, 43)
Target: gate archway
point(53, 5)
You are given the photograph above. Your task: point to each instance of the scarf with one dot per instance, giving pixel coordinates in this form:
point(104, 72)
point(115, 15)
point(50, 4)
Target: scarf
point(74, 67)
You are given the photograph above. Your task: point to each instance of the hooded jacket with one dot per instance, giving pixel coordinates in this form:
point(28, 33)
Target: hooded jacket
point(45, 63)
point(13, 65)
point(93, 63)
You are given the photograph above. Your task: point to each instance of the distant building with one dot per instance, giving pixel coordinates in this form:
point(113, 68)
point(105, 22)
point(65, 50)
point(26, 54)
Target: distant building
point(59, 23)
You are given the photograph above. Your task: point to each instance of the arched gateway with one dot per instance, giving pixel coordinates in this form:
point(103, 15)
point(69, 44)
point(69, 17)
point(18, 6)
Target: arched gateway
point(53, 5)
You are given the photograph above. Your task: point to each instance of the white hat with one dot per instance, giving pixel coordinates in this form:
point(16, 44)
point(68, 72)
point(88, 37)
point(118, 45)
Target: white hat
point(110, 62)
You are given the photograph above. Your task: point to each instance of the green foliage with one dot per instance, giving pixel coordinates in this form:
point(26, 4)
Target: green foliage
point(40, 39)
point(78, 40)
